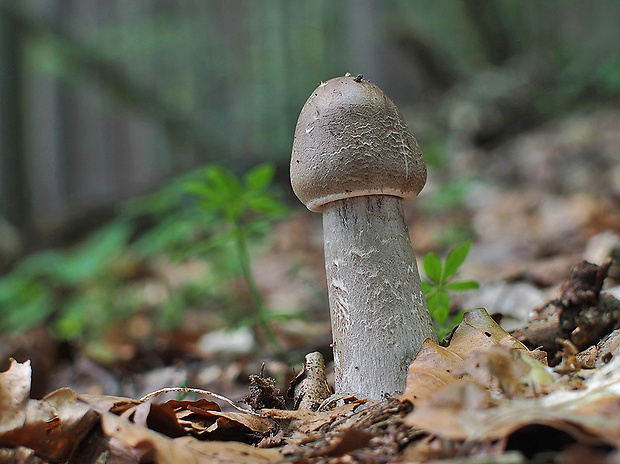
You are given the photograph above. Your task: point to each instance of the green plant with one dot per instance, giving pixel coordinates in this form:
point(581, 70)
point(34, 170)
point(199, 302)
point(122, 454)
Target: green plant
point(242, 208)
point(82, 292)
point(70, 290)
point(440, 283)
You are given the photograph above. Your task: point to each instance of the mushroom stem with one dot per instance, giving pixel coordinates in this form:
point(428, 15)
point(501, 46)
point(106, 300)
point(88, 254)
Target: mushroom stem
point(354, 159)
point(378, 310)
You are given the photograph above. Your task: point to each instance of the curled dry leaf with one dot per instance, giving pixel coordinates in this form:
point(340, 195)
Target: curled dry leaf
point(307, 422)
point(14, 392)
point(470, 403)
point(588, 419)
point(201, 418)
point(204, 418)
point(165, 450)
point(496, 358)
point(49, 426)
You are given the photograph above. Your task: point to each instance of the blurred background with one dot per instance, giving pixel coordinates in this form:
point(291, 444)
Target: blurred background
point(110, 110)
point(102, 100)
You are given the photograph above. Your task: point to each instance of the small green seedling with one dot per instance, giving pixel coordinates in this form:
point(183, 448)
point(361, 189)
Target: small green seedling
point(242, 206)
point(439, 284)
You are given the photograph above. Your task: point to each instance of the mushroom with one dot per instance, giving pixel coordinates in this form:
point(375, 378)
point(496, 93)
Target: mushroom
point(355, 161)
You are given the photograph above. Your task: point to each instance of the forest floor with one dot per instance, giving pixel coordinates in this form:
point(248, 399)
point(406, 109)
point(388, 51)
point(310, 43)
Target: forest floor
point(536, 207)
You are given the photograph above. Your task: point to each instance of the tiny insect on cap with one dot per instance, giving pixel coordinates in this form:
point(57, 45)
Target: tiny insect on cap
point(351, 141)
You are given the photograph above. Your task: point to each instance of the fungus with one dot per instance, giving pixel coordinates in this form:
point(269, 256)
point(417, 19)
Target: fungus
point(355, 161)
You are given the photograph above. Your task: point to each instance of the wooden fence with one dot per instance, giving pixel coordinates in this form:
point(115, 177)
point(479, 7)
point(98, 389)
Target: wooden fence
point(104, 99)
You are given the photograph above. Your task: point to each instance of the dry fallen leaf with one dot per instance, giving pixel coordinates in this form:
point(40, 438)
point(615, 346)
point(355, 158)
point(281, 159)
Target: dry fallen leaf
point(165, 450)
point(478, 331)
point(14, 393)
point(486, 401)
point(50, 426)
point(480, 349)
point(307, 421)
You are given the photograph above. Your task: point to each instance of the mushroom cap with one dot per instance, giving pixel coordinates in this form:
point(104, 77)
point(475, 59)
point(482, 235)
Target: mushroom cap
point(351, 141)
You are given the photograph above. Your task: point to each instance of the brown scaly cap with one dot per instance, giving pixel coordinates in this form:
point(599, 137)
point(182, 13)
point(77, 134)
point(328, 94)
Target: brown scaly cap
point(351, 141)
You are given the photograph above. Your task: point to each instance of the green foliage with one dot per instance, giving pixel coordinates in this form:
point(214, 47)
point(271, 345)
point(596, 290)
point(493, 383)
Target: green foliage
point(83, 291)
point(69, 290)
point(237, 201)
point(242, 206)
point(440, 282)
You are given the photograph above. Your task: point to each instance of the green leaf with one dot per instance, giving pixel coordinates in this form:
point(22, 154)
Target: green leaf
point(208, 244)
point(441, 307)
point(95, 255)
point(458, 318)
point(462, 286)
point(266, 204)
point(224, 181)
point(442, 332)
point(171, 233)
point(260, 177)
point(432, 267)
point(32, 305)
point(427, 287)
point(39, 264)
point(199, 189)
point(74, 318)
point(432, 302)
point(455, 258)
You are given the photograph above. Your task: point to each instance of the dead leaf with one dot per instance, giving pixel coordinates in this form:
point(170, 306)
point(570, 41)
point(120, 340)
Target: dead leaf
point(499, 368)
point(478, 335)
point(14, 393)
point(75, 420)
point(431, 370)
point(50, 426)
point(590, 416)
point(204, 417)
point(165, 450)
point(106, 403)
point(478, 331)
point(351, 439)
point(306, 421)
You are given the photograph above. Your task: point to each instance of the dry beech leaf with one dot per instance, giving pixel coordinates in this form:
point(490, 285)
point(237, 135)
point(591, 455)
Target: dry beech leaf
point(497, 357)
point(257, 424)
point(478, 331)
point(599, 427)
point(14, 393)
point(187, 450)
point(306, 421)
point(74, 420)
point(431, 370)
point(203, 417)
point(466, 411)
point(351, 439)
point(158, 417)
point(106, 403)
point(39, 419)
point(50, 426)
point(176, 418)
point(509, 371)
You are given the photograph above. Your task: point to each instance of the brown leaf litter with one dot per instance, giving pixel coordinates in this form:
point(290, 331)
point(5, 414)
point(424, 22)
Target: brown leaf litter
point(484, 395)
point(581, 313)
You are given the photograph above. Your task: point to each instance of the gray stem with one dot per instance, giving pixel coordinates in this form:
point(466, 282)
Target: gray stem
point(378, 310)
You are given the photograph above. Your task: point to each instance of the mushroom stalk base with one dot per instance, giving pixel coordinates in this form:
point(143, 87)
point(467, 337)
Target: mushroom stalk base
point(378, 310)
